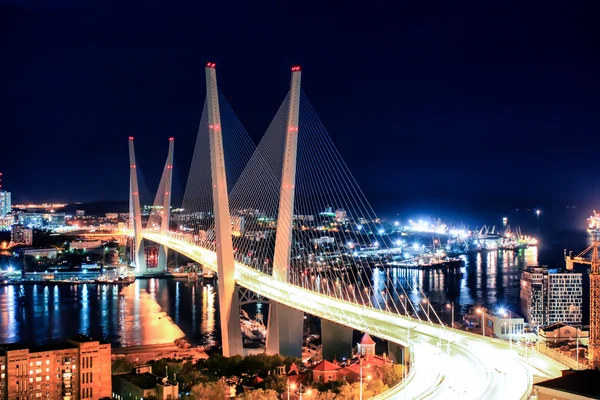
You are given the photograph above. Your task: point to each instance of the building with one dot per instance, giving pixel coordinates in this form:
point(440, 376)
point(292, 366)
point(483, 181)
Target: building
point(85, 244)
point(6, 222)
point(5, 202)
point(50, 252)
point(112, 215)
point(350, 372)
point(80, 213)
point(142, 384)
point(31, 219)
point(560, 332)
point(237, 225)
point(576, 385)
point(21, 234)
point(550, 295)
point(75, 369)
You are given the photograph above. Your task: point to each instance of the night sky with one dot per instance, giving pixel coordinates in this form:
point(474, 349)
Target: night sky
point(447, 104)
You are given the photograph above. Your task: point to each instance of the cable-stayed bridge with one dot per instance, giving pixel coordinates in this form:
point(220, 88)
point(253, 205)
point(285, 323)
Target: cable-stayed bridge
point(286, 220)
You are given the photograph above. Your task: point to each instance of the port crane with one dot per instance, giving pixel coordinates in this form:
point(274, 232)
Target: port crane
point(594, 272)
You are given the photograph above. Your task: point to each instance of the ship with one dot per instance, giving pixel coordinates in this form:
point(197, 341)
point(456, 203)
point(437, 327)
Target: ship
point(594, 223)
point(116, 280)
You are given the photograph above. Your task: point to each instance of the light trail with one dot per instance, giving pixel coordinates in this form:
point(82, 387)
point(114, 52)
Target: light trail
point(446, 363)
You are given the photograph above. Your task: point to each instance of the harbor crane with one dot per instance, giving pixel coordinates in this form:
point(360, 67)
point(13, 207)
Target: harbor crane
point(594, 272)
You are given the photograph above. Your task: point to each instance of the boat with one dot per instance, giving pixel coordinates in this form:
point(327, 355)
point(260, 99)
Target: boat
point(594, 223)
point(116, 280)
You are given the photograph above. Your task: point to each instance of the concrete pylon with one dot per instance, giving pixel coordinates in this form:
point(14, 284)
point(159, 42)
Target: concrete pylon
point(285, 324)
point(336, 340)
point(229, 311)
point(166, 210)
point(135, 215)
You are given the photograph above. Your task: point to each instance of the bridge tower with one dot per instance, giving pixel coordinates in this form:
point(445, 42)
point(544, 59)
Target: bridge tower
point(285, 324)
point(138, 256)
point(231, 334)
point(166, 206)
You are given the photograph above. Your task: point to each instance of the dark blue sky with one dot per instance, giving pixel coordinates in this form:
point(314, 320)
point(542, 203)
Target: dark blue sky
point(441, 103)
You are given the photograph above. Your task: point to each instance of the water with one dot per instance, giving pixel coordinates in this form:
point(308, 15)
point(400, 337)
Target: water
point(161, 310)
point(149, 311)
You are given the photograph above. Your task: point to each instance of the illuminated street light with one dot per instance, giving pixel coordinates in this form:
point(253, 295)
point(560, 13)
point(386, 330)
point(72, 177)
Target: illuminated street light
point(481, 311)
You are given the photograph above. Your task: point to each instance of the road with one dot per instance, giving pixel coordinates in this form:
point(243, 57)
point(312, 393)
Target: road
point(446, 363)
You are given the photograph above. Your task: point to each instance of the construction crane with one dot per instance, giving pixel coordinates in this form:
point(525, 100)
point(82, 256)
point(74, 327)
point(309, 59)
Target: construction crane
point(594, 271)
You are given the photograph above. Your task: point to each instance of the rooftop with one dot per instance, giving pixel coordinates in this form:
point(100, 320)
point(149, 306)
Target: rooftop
point(583, 383)
point(366, 339)
point(325, 366)
point(4, 348)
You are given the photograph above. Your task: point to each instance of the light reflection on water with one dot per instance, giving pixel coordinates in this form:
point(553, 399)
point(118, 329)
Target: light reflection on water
point(490, 278)
point(137, 314)
point(159, 310)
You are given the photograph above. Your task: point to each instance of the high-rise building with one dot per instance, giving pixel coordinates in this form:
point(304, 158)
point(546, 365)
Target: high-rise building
point(6, 222)
point(21, 235)
point(75, 369)
point(550, 295)
point(5, 203)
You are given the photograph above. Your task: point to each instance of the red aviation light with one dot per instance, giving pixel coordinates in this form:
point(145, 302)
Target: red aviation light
point(130, 137)
point(295, 68)
point(211, 65)
point(171, 139)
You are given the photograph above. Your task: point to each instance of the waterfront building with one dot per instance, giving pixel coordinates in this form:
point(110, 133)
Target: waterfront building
point(75, 369)
point(142, 384)
point(550, 295)
point(21, 234)
point(507, 326)
point(5, 202)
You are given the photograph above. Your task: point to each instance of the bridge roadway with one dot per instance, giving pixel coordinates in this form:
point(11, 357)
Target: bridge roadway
point(446, 363)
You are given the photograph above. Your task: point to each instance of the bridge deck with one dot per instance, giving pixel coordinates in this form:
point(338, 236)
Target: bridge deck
point(446, 363)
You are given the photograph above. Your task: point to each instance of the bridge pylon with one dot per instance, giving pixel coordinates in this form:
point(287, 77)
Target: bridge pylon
point(285, 324)
point(229, 311)
point(166, 206)
point(138, 256)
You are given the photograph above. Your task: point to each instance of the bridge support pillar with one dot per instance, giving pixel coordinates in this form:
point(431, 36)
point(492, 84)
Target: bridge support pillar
point(396, 352)
point(166, 210)
point(285, 329)
point(138, 255)
point(336, 340)
point(229, 310)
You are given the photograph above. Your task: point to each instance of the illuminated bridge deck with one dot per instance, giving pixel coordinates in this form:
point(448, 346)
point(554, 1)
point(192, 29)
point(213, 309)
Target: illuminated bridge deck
point(446, 363)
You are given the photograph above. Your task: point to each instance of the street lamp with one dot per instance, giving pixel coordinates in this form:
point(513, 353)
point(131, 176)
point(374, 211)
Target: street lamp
point(293, 385)
point(510, 328)
point(451, 307)
point(481, 311)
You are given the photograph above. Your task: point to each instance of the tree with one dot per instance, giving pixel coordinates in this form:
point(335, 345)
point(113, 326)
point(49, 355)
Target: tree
point(210, 390)
point(326, 396)
point(121, 365)
point(259, 394)
point(377, 386)
point(390, 374)
point(350, 392)
point(276, 382)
